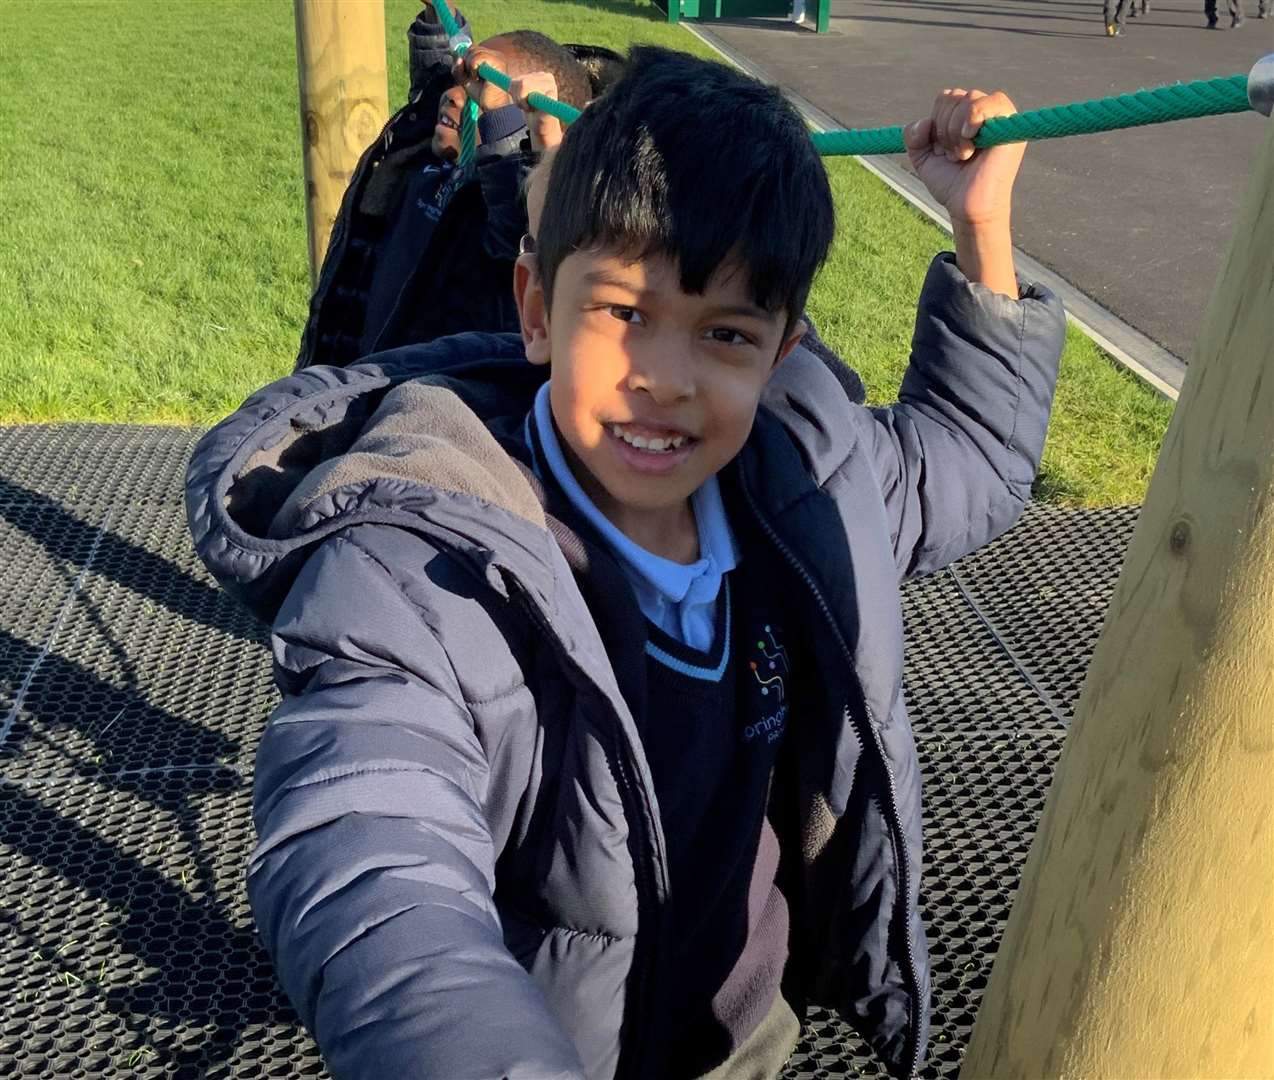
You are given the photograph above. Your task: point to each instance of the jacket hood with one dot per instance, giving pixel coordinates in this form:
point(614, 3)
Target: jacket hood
point(396, 439)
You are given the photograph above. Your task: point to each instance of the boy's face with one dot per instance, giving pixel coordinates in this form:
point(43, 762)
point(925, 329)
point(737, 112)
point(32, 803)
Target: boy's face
point(446, 138)
point(653, 389)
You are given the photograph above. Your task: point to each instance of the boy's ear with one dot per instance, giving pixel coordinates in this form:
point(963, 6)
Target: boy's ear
point(789, 343)
point(532, 309)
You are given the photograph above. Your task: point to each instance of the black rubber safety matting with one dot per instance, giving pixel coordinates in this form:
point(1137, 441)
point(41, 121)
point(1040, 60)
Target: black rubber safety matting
point(132, 694)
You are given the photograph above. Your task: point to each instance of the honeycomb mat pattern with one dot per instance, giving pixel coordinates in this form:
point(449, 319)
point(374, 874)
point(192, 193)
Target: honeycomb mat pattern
point(132, 694)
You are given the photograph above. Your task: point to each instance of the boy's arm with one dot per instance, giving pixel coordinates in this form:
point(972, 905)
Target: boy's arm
point(957, 455)
point(503, 167)
point(975, 186)
point(372, 881)
point(508, 124)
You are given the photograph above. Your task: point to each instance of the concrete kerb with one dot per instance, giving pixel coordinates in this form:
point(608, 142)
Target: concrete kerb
point(1150, 361)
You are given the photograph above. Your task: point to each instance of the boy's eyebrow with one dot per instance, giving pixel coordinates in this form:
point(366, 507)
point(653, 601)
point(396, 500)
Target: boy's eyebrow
point(608, 277)
point(752, 311)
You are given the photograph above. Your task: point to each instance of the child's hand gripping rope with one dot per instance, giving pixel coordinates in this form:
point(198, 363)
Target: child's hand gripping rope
point(974, 185)
point(545, 130)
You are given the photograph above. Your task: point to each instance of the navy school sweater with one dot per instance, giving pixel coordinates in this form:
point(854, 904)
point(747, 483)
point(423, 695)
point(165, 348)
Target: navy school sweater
point(711, 723)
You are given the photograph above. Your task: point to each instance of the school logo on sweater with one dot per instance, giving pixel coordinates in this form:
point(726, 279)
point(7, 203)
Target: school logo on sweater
point(769, 671)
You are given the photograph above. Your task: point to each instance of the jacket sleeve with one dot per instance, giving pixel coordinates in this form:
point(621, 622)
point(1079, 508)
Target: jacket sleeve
point(503, 167)
point(372, 881)
point(429, 56)
point(956, 456)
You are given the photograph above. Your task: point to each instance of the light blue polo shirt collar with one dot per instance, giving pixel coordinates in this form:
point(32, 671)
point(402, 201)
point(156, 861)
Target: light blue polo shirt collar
point(680, 599)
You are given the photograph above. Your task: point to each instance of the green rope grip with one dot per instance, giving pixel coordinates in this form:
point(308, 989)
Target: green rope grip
point(1182, 101)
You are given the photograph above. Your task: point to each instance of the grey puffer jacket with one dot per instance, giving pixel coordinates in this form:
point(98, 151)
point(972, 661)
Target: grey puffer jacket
point(461, 869)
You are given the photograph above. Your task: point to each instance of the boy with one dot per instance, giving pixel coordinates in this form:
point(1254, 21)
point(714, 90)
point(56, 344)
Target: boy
point(592, 759)
point(403, 265)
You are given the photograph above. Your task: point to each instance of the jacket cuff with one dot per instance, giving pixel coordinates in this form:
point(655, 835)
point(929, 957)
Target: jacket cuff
point(948, 295)
point(497, 124)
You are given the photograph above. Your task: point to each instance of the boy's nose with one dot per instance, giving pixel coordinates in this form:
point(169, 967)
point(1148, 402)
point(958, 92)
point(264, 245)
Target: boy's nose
point(666, 378)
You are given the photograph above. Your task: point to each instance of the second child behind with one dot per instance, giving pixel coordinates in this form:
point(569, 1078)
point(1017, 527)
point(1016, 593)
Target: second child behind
point(420, 247)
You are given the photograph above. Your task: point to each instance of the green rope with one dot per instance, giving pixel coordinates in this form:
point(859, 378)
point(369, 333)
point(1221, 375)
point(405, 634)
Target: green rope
point(1181, 101)
point(469, 133)
point(460, 43)
point(1207, 97)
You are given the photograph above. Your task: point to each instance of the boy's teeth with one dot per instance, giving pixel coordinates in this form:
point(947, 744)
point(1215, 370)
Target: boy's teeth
point(655, 446)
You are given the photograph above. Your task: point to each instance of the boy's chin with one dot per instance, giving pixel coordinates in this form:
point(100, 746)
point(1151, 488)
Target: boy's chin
point(445, 148)
point(653, 495)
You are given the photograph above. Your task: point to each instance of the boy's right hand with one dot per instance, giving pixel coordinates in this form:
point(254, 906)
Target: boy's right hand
point(545, 130)
point(465, 72)
point(975, 186)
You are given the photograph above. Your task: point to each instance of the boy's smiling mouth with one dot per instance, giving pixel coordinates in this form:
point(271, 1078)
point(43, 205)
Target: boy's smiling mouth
point(650, 449)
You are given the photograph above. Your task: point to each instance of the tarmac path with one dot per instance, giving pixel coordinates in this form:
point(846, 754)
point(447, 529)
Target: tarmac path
point(1139, 220)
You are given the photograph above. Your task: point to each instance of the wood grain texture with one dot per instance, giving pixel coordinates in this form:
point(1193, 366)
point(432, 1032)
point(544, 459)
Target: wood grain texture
point(340, 59)
point(1141, 943)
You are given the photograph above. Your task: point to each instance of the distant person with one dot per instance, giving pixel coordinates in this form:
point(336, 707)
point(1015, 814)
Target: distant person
point(1113, 14)
point(1236, 12)
point(1134, 10)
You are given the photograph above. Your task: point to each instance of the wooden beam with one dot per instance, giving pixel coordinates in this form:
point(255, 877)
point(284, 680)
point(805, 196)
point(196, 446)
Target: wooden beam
point(1141, 943)
point(340, 60)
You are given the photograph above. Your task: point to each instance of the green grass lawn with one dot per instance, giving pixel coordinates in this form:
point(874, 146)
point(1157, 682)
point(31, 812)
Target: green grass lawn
point(152, 246)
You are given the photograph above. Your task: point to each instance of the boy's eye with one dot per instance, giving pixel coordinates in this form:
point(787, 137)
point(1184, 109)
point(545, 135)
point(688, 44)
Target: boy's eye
point(626, 314)
point(728, 336)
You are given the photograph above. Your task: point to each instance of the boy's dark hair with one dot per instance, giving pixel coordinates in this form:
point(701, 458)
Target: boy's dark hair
point(689, 158)
point(540, 53)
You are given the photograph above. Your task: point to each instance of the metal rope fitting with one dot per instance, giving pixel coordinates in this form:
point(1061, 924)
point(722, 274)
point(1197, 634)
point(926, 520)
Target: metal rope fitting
point(1260, 85)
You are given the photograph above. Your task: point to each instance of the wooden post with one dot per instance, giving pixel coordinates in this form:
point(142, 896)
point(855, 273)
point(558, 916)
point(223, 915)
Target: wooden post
point(340, 60)
point(1141, 944)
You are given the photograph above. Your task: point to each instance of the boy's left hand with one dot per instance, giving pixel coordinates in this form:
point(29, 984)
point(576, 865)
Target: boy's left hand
point(975, 185)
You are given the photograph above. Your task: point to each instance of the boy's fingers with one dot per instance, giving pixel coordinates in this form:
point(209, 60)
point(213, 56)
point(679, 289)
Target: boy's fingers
point(917, 135)
point(958, 134)
point(989, 106)
point(947, 103)
point(537, 82)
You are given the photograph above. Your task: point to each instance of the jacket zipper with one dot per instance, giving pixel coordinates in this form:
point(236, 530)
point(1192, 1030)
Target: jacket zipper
point(643, 873)
point(895, 822)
